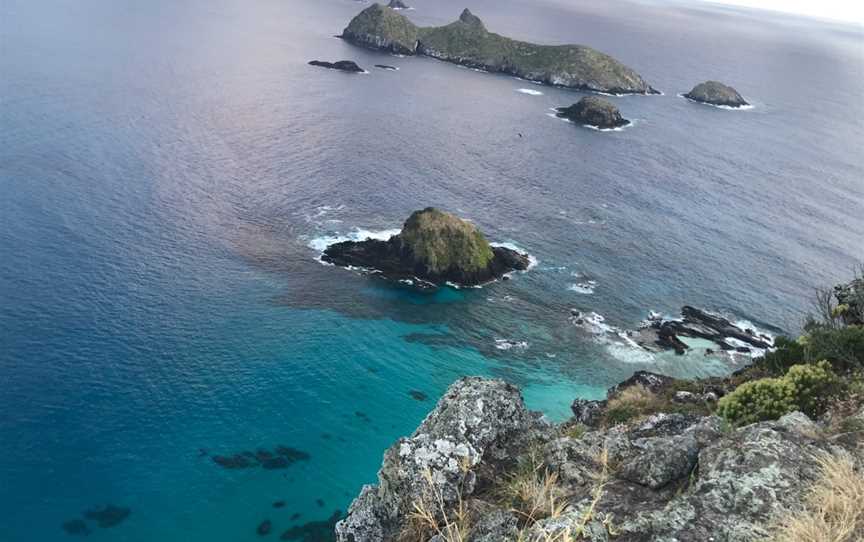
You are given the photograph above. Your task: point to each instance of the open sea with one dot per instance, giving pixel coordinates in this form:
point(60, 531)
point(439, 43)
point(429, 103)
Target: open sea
point(170, 170)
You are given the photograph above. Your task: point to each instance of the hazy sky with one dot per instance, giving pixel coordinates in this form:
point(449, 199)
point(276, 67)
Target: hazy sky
point(844, 10)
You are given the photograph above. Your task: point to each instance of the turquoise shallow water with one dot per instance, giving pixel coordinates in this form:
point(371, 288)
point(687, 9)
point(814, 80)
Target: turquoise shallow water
point(165, 169)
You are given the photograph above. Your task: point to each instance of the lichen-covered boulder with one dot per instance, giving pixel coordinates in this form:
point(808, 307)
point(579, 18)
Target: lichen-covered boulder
point(595, 112)
point(476, 420)
point(716, 93)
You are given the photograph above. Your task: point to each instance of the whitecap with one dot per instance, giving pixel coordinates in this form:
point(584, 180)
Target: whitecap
point(508, 344)
point(529, 91)
point(321, 243)
point(585, 288)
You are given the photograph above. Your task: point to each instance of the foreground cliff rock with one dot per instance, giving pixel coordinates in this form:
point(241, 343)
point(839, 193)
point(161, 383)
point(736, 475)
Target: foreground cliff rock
point(716, 93)
point(482, 466)
point(467, 42)
point(433, 248)
point(595, 112)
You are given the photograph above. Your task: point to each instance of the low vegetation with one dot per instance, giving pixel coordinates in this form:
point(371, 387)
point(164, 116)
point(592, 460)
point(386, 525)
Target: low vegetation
point(531, 491)
point(806, 388)
point(833, 510)
point(441, 241)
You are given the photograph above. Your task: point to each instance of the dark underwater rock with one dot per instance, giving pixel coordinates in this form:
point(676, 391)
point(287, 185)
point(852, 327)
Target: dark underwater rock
point(76, 527)
point(594, 111)
point(418, 395)
point(341, 65)
point(716, 93)
point(314, 531)
point(434, 247)
point(238, 461)
point(279, 504)
point(108, 516)
point(280, 457)
point(467, 42)
point(386, 67)
point(264, 527)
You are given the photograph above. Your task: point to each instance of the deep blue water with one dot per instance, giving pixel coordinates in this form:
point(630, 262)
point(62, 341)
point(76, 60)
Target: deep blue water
point(165, 167)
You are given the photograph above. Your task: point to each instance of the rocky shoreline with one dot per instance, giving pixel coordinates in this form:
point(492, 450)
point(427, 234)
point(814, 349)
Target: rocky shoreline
point(774, 451)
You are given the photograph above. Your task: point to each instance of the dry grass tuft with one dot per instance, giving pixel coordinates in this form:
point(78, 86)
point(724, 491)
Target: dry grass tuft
point(532, 492)
point(429, 515)
point(834, 509)
point(631, 403)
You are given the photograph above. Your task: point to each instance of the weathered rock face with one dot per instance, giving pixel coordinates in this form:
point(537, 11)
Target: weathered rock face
point(341, 65)
point(670, 477)
point(594, 111)
point(716, 93)
point(398, 4)
point(467, 42)
point(476, 421)
point(382, 28)
point(434, 247)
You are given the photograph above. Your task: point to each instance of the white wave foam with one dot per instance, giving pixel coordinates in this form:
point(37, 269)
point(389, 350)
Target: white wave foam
point(320, 244)
point(585, 288)
point(508, 344)
point(747, 107)
point(529, 91)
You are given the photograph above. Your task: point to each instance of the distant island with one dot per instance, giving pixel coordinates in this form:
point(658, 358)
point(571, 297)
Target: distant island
point(432, 249)
point(467, 42)
point(341, 65)
point(716, 93)
point(594, 112)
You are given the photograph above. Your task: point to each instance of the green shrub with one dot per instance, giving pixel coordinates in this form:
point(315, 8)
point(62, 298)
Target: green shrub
point(786, 354)
point(843, 347)
point(807, 388)
point(814, 386)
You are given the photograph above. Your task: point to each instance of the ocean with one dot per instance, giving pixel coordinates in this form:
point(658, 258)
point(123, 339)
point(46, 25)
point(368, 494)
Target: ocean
point(170, 171)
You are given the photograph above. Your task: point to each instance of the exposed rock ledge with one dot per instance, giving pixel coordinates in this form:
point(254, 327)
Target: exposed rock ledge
point(467, 42)
point(670, 477)
point(433, 248)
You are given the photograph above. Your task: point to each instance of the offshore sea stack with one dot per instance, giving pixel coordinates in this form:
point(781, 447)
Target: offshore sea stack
point(467, 42)
point(595, 112)
point(433, 248)
point(716, 93)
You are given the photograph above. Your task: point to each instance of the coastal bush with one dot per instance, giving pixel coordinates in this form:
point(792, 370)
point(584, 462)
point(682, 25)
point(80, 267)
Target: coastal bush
point(843, 347)
point(806, 387)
